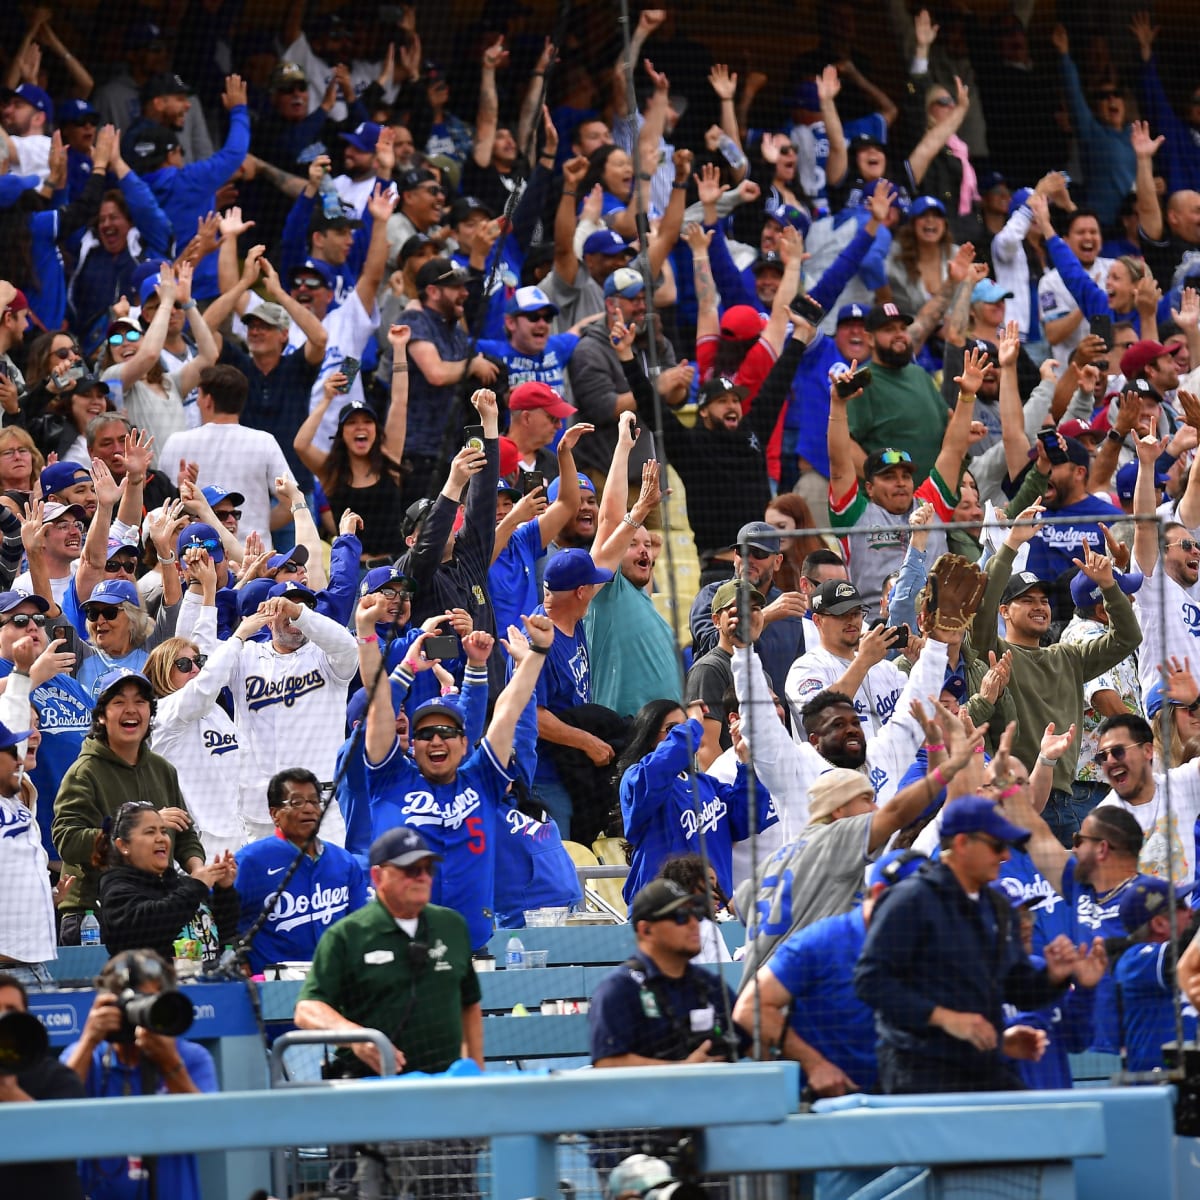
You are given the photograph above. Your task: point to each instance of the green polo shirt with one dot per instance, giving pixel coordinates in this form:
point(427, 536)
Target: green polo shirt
point(363, 968)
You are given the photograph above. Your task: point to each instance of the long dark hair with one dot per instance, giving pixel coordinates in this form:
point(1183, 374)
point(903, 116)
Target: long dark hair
point(643, 733)
point(597, 161)
point(336, 472)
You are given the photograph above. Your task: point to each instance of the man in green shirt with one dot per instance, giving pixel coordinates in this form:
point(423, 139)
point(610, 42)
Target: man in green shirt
point(403, 966)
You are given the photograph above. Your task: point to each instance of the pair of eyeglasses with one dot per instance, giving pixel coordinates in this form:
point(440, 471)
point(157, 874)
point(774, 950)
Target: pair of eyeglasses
point(128, 565)
point(108, 612)
point(299, 801)
point(13, 451)
point(235, 513)
point(311, 282)
point(1188, 544)
point(130, 335)
point(65, 352)
point(187, 665)
point(24, 620)
point(1116, 753)
point(432, 189)
point(295, 90)
point(445, 732)
point(390, 593)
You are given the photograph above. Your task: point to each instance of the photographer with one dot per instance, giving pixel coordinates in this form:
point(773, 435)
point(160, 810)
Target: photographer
point(656, 1008)
point(46, 1079)
point(118, 1057)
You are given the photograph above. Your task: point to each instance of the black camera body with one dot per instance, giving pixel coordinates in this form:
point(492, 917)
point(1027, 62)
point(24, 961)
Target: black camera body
point(724, 1046)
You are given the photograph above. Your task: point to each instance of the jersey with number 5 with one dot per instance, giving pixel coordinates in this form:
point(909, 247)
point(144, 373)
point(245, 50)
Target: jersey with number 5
point(457, 819)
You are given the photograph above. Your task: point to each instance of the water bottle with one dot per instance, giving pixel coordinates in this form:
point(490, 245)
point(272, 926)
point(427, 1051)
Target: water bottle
point(514, 954)
point(89, 930)
point(331, 202)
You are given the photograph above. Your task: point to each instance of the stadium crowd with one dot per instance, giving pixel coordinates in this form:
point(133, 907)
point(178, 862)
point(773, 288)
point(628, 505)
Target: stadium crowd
point(336, 415)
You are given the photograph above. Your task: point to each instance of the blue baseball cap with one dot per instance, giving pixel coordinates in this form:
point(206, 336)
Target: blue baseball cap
point(584, 482)
point(203, 536)
point(605, 241)
point(401, 847)
point(851, 312)
point(923, 204)
point(571, 569)
point(32, 94)
point(10, 600)
point(75, 112)
point(529, 300)
point(314, 266)
point(110, 681)
point(252, 595)
point(507, 489)
point(437, 708)
point(113, 591)
point(806, 96)
point(788, 214)
point(380, 577)
point(1085, 593)
point(988, 291)
point(625, 282)
point(215, 493)
point(61, 475)
point(978, 814)
point(1126, 481)
point(297, 554)
point(363, 136)
point(10, 738)
point(293, 591)
point(148, 287)
point(894, 866)
point(1146, 898)
point(1154, 698)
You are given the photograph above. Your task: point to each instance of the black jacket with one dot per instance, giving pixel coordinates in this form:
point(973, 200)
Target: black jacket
point(930, 944)
point(139, 910)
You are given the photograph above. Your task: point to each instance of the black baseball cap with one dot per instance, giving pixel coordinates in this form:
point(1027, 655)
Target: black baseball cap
point(441, 272)
point(885, 314)
point(1020, 583)
point(659, 899)
point(719, 386)
point(150, 148)
point(165, 83)
point(879, 461)
point(835, 598)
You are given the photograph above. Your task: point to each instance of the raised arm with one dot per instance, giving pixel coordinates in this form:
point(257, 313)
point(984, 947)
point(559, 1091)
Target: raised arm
point(566, 265)
point(938, 135)
point(957, 437)
point(488, 113)
point(529, 654)
point(559, 514)
point(616, 489)
point(153, 340)
point(844, 453)
point(828, 87)
point(233, 299)
point(206, 346)
point(530, 104)
point(613, 549)
point(305, 318)
point(381, 206)
point(309, 454)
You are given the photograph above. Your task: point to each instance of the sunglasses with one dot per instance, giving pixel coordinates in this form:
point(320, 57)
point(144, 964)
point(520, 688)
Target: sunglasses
point(185, 664)
point(445, 732)
point(289, 565)
point(1077, 839)
point(415, 870)
point(128, 565)
point(130, 335)
point(311, 282)
point(295, 90)
point(543, 315)
point(235, 513)
point(895, 458)
point(65, 352)
point(1108, 95)
point(995, 845)
point(109, 612)
point(1117, 754)
point(432, 189)
point(759, 555)
point(1187, 544)
point(684, 916)
point(942, 102)
point(24, 620)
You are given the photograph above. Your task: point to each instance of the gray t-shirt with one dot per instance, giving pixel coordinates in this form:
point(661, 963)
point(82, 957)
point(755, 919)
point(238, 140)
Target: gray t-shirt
point(818, 875)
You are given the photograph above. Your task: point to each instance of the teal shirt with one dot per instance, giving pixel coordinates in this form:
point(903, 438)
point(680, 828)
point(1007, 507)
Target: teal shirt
point(634, 657)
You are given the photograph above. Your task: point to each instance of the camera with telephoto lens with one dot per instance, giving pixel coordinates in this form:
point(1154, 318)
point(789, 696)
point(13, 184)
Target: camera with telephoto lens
point(23, 1042)
point(168, 1012)
point(725, 1045)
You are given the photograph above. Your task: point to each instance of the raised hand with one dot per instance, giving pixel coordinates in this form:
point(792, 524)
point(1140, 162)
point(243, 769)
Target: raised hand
point(1096, 566)
point(959, 266)
point(139, 450)
point(924, 31)
point(1144, 146)
point(995, 678)
point(1008, 345)
point(975, 362)
point(1180, 684)
point(880, 201)
point(722, 82)
point(108, 491)
point(235, 91)
point(571, 436)
point(382, 203)
point(1059, 40)
point(1145, 32)
point(1019, 532)
point(709, 187)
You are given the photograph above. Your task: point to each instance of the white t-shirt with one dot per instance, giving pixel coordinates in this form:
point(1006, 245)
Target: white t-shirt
point(1152, 817)
point(1055, 300)
point(33, 155)
point(1167, 612)
point(768, 840)
point(58, 587)
point(148, 408)
point(27, 921)
point(319, 72)
point(355, 192)
point(819, 670)
point(350, 328)
point(239, 460)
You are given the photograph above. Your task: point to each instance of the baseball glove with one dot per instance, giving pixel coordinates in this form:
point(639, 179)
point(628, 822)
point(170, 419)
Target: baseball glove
point(954, 590)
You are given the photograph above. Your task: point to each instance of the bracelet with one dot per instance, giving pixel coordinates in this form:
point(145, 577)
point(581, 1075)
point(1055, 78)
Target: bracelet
point(935, 749)
point(977, 750)
point(409, 666)
point(565, 192)
point(366, 641)
point(967, 396)
point(1050, 762)
point(166, 562)
point(300, 505)
point(399, 370)
point(679, 186)
point(188, 306)
point(938, 778)
point(699, 258)
point(539, 649)
point(628, 520)
point(449, 690)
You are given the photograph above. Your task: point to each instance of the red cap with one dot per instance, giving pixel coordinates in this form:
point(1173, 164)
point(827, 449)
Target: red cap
point(1139, 356)
point(18, 303)
point(510, 456)
point(741, 323)
point(538, 395)
point(1079, 429)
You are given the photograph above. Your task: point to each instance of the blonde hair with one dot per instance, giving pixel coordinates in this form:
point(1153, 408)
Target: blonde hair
point(15, 434)
point(162, 657)
point(141, 623)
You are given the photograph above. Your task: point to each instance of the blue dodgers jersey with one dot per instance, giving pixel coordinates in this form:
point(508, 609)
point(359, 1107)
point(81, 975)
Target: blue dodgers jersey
point(512, 578)
point(1147, 1005)
point(1068, 1025)
point(457, 819)
point(549, 367)
point(64, 712)
point(1098, 918)
point(1052, 914)
point(322, 891)
point(533, 869)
